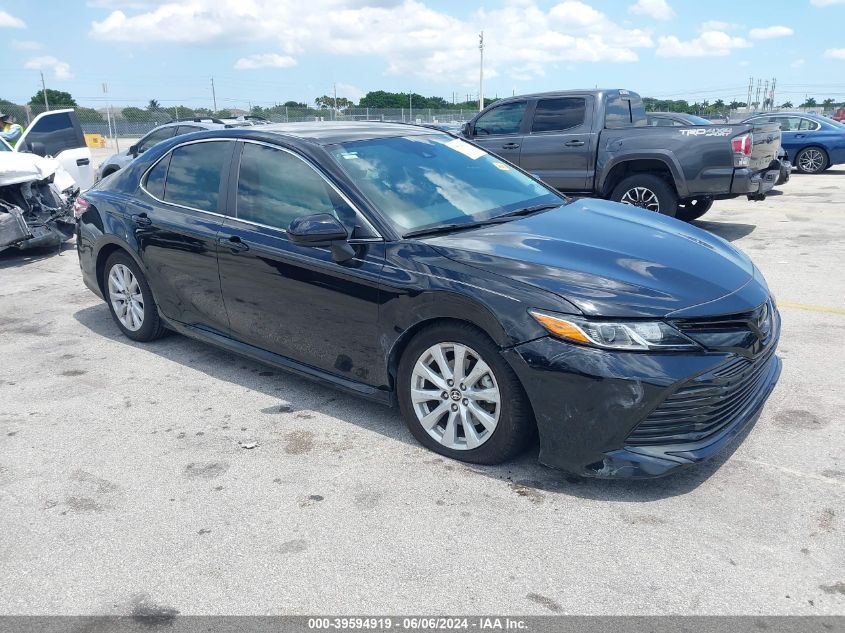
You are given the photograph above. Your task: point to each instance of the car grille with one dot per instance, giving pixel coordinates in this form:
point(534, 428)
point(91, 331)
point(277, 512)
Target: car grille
point(707, 404)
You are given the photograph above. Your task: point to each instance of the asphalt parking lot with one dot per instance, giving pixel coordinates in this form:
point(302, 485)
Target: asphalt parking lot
point(125, 483)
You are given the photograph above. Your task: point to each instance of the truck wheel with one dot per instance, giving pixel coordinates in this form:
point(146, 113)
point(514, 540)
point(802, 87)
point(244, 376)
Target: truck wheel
point(693, 209)
point(811, 160)
point(647, 191)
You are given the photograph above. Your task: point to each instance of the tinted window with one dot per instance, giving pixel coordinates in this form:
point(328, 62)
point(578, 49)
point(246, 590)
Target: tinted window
point(274, 187)
point(193, 179)
point(618, 113)
point(558, 114)
point(426, 180)
point(57, 133)
point(156, 136)
point(156, 178)
point(660, 122)
point(187, 129)
point(506, 119)
point(788, 124)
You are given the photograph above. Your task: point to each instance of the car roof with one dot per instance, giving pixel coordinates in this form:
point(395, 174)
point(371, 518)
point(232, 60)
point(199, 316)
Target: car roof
point(331, 132)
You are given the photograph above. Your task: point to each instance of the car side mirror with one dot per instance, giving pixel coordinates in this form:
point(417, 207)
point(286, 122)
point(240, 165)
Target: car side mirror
point(37, 148)
point(322, 229)
point(466, 130)
point(133, 151)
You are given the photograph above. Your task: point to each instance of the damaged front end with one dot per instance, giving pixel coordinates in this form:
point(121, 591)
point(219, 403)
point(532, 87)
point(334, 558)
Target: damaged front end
point(35, 213)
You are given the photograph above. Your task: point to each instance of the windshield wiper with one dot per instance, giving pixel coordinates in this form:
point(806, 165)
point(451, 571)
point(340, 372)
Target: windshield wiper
point(499, 219)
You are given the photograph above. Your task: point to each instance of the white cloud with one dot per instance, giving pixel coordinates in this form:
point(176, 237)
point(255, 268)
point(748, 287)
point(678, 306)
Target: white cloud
point(826, 3)
point(25, 45)
point(353, 93)
point(835, 53)
point(411, 37)
point(61, 70)
point(10, 21)
point(718, 25)
point(708, 44)
point(265, 60)
point(797, 63)
point(769, 32)
point(656, 9)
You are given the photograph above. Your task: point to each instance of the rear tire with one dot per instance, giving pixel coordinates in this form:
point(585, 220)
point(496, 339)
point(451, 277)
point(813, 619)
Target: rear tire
point(483, 416)
point(648, 192)
point(811, 160)
point(693, 209)
point(130, 299)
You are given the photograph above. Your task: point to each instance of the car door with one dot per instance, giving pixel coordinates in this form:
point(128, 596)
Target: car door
point(176, 227)
point(58, 134)
point(789, 139)
point(558, 147)
point(499, 130)
point(290, 299)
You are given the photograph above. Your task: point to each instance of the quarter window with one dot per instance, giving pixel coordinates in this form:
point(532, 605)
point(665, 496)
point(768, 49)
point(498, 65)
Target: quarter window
point(274, 187)
point(193, 179)
point(505, 119)
point(807, 124)
point(554, 115)
point(156, 178)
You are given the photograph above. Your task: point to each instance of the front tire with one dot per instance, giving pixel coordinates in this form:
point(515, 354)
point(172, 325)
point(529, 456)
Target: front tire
point(648, 192)
point(811, 160)
point(130, 299)
point(460, 398)
point(693, 209)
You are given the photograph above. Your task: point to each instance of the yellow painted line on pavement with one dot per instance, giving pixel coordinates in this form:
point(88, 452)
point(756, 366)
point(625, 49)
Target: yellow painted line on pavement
point(811, 308)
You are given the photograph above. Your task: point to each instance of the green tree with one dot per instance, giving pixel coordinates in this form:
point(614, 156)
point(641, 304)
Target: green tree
point(153, 105)
point(809, 103)
point(786, 105)
point(56, 98)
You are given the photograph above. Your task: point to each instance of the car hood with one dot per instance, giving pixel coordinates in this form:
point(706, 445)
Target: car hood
point(16, 168)
point(611, 260)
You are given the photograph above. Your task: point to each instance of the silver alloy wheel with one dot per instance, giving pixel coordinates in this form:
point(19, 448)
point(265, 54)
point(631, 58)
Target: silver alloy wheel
point(126, 297)
point(811, 160)
point(455, 396)
point(641, 197)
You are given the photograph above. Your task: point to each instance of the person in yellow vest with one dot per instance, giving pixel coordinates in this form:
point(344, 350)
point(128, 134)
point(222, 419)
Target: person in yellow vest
point(9, 130)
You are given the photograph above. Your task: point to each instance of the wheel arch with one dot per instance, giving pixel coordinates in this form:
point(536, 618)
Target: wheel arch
point(615, 172)
point(110, 246)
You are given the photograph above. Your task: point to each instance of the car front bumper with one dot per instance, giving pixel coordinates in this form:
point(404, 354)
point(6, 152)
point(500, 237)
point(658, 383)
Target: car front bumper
point(593, 406)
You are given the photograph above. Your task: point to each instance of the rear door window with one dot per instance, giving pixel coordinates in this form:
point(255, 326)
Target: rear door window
point(505, 119)
point(556, 115)
point(194, 175)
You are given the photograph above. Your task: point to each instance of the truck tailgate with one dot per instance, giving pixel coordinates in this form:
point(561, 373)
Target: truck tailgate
point(766, 143)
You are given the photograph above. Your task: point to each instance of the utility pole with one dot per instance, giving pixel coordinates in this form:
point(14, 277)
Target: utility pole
point(335, 101)
point(774, 83)
point(766, 96)
point(110, 118)
point(481, 72)
point(410, 107)
point(44, 91)
point(750, 88)
point(213, 95)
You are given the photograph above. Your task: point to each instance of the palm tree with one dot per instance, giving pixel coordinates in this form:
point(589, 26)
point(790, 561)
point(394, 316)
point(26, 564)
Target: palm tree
point(153, 105)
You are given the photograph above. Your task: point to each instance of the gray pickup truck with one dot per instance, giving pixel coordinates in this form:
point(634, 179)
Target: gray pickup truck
point(598, 143)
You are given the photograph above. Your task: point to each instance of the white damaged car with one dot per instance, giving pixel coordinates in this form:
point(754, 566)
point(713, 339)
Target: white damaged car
point(37, 191)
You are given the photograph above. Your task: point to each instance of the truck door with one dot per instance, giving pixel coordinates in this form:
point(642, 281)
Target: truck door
point(499, 130)
point(58, 134)
point(558, 147)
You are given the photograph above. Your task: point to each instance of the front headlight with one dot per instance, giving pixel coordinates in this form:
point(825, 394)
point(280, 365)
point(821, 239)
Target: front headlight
point(622, 335)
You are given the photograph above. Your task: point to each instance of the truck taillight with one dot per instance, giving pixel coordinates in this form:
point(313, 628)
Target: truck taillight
point(80, 206)
point(741, 146)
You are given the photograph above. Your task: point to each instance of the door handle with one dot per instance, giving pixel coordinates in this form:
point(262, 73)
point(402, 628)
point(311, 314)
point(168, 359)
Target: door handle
point(82, 161)
point(142, 219)
point(233, 243)
point(510, 146)
point(573, 144)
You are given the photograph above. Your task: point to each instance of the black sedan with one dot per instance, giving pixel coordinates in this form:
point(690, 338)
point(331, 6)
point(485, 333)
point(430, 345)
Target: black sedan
point(412, 267)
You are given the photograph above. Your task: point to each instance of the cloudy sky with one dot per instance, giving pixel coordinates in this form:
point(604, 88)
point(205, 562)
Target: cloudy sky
point(267, 51)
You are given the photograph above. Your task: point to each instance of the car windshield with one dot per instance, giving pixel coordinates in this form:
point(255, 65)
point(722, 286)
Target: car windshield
point(423, 181)
point(698, 120)
point(834, 123)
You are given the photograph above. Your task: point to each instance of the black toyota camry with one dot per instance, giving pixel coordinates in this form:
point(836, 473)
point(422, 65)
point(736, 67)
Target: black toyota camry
point(411, 267)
